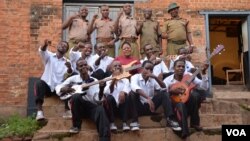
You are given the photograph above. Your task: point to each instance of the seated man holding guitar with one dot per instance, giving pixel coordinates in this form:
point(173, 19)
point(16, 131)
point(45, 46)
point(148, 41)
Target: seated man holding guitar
point(86, 100)
point(147, 95)
point(179, 85)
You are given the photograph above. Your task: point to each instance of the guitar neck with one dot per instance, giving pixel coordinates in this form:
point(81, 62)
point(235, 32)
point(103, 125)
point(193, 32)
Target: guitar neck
point(96, 82)
point(193, 76)
point(197, 71)
point(133, 67)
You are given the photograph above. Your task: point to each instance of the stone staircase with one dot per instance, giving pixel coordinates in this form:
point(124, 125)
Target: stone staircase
point(214, 112)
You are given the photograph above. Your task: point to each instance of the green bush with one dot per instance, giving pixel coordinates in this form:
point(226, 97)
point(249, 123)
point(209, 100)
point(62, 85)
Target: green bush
point(18, 126)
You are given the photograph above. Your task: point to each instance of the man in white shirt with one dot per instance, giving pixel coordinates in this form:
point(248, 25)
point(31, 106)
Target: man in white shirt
point(147, 96)
point(159, 65)
point(76, 53)
point(56, 66)
point(182, 54)
point(87, 102)
point(191, 107)
point(116, 92)
point(102, 63)
point(86, 54)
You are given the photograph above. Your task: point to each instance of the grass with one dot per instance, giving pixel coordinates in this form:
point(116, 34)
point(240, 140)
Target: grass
point(17, 126)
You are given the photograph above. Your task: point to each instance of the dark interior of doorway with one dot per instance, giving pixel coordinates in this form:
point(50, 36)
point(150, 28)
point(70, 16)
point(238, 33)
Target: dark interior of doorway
point(230, 28)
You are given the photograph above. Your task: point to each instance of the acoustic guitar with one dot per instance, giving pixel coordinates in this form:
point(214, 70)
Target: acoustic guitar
point(186, 82)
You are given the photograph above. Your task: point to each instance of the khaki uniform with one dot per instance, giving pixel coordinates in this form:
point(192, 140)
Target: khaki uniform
point(150, 35)
point(105, 33)
point(77, 33)
point(127, 26)
point(176, 30)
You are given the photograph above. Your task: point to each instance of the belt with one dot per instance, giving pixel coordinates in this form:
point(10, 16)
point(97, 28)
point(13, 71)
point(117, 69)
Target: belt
point(129, 39)
point(76, 41)
point(104, 39)
point(177, 42)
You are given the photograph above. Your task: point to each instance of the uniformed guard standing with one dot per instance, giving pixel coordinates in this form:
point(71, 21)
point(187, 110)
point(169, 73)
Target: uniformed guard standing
point(105, 30)
point(150, 32)
point(77, 25)
point(177, 31)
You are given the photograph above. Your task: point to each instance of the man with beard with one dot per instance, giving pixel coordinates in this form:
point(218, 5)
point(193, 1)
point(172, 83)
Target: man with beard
point(127, 29)
point(191, 107)
point(78, 26)
point(56, 66)
point(87, 102)
point(177, 31)
point(104, 30)
point(150, 32)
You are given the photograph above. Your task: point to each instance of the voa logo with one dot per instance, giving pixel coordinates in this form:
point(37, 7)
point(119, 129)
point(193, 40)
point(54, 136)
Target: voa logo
point(236, 132)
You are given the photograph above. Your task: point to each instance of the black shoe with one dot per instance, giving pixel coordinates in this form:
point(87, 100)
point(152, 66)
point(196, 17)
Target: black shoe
point(197, 127)
point(74, 130)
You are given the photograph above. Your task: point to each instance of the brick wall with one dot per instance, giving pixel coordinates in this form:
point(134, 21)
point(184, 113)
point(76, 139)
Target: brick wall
point(25, 23)
point(189, 9)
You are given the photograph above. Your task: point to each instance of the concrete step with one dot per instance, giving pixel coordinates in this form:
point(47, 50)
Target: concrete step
point(53, 107)
point(207, 121)
point(220, 107)
point(235, 93)
point(156, 134)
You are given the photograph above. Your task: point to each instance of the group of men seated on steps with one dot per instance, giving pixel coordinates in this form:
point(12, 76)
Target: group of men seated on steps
point(110, 92)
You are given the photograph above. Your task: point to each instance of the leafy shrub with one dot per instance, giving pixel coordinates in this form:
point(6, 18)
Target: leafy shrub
point(18, 126)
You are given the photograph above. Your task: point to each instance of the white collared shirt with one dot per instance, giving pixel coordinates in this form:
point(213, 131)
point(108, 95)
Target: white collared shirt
point(122, 85)
point(203, 84)
point(92, 93)
point(159, 68)
point(188, 65)
point(149, 87)
point(107, 60)
point(54, 68)
point(75, 55)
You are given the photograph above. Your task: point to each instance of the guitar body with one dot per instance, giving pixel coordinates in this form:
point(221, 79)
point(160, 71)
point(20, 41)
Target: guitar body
point(78, 90)
point(185, 96)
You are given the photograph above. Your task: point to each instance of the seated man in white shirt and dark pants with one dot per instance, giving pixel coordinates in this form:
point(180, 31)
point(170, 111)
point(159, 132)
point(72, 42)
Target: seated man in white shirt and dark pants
point(56, 66)
point(192, 105)
point(116, 92)
point(86, 102)
point(147, 96)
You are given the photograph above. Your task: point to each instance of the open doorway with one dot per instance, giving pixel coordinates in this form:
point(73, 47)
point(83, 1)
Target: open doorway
point(228, 31)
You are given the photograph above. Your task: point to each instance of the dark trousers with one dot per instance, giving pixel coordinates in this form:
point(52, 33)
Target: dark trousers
point(190, 108)
point(122, 108)
point(42, 89)
point(161, 98)
point(81, 108)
